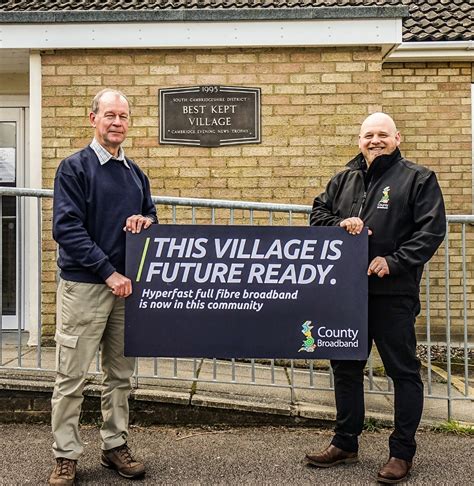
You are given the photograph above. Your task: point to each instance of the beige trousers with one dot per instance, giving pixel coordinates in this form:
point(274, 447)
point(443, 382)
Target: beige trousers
point(89, 316)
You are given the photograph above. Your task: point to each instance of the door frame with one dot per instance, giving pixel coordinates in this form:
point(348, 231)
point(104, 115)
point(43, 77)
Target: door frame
point(16, 108)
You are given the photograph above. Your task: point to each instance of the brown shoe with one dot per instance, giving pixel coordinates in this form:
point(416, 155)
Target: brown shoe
point(395, 471)
point(64, 473)
point(331, 456)
point(120, 458)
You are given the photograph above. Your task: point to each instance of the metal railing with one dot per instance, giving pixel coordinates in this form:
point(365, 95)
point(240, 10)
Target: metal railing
point(445, 329)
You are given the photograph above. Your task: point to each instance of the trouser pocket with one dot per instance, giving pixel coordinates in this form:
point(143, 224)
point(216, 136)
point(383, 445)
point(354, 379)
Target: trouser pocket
point(68, 360)
point(78, 305)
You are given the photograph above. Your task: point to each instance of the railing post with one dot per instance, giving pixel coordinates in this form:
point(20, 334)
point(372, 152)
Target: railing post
point(448, 320)
point(464, 300)
point(19, 279)
point(428, 327)
point(40, 239)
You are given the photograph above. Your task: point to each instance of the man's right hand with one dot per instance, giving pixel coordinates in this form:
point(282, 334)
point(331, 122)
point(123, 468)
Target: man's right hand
point(353, 226)
point(121, 286)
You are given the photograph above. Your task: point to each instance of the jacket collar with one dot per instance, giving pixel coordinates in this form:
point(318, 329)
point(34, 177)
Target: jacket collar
point(379, 165)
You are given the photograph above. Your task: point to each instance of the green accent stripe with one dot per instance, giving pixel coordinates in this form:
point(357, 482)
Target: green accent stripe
point(140, 268)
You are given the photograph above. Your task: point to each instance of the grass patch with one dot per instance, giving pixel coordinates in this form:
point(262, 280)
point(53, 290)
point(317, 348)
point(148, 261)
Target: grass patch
point(372, 425)
point(454, 427)
point(378, 371)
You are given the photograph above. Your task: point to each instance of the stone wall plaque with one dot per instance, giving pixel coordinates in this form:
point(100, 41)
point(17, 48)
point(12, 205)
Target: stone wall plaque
point(210, 116)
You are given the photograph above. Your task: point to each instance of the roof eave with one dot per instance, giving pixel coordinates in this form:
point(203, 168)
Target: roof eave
point(433, 51)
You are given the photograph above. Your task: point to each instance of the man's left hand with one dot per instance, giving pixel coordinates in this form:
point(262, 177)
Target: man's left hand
point(137, 222)
point(378, 266)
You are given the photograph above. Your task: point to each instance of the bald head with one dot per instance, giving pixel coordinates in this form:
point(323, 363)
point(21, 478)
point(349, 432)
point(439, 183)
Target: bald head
point(379, 119)
point(378, 136)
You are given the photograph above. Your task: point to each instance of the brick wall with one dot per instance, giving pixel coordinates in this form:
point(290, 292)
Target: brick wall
point(431, 103)
point(312, 103)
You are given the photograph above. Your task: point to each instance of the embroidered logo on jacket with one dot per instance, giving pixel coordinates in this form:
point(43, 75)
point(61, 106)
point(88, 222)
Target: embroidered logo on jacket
point(383, 203)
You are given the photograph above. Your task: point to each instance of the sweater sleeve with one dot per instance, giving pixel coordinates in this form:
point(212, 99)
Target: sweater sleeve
point(148, 208)
point(69, 231)
point(322, 212)
point(430, 227)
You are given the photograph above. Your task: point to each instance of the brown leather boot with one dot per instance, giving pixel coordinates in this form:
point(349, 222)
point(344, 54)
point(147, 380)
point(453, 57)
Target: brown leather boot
point(394, 471)
point(64, 473)
point(121, 459)
point(331, 456)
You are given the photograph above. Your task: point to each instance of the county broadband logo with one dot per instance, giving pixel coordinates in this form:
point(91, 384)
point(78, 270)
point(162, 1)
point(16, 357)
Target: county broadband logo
point(308, 344)
point(385, 199)
point(328, 338)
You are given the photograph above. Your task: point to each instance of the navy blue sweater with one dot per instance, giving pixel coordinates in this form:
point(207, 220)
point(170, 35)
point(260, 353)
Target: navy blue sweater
point(91, 204)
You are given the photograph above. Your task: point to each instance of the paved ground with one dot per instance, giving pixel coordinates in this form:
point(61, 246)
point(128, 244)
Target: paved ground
point(233, 456)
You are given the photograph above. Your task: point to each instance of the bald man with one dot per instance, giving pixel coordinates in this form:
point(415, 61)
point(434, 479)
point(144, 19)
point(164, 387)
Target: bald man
point(401, 204)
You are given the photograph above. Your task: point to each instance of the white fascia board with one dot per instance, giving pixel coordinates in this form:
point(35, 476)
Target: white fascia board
point(433, 51)
point(319, 32)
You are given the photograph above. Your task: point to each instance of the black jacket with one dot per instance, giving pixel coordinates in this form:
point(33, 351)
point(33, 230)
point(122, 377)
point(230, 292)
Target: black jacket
point(401, 202)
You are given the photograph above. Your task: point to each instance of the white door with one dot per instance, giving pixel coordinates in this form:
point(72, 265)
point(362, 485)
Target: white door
point(12, 143)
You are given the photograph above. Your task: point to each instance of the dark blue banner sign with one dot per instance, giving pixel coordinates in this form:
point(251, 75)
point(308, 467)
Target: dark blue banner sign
point(247, 292)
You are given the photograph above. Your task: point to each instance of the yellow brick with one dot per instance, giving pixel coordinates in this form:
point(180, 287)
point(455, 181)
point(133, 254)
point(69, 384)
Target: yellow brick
point(48, 70)
point(185, 69)
point(336, 78)
point(319, 67)
point(119, 59)
point(336, 55)
point(256, 151)
point(307, 56)
point(57, 80)
point(273, 57)
point(211, 58)
point(179, 58)
point(289, 89)
point(273, 78)
point(71, 70)
point(194, 172)
point(132, 69)
point(289, 67)
point(303, 78)
point(241, 58)
point(176, 80)
point(212, 79)
point(71, 91)
point(78, 111)
point(87, 59)
point(324, 88)
point(350, 66)
point(55, 59)
point(86, 80)
point(164, 69)
point(305, 100)
point(372, 55)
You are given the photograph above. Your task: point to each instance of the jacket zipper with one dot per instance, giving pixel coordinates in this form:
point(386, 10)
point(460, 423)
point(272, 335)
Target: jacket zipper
point(362, 204)
point(354, 202)
point(364, 197)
